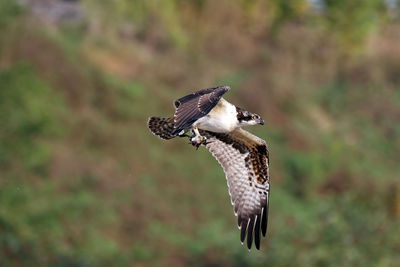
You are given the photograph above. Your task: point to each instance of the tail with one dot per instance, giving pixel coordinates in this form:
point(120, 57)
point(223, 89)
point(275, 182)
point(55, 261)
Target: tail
point(162, 127)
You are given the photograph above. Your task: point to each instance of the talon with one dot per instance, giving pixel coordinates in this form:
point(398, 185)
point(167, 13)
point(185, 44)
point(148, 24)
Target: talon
point(197, 140)
point(194, 143)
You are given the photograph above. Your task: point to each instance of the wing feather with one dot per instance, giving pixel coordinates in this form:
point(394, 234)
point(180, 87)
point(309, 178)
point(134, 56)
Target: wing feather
point(250, 231)
point(264, 220)
point(244, 158)
point(257, 231)
point(243, 230)
point(186, 114)
point(194, 106)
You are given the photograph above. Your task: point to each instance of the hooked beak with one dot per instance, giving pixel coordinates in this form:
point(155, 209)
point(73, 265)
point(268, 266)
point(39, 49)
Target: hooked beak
point(261, 121)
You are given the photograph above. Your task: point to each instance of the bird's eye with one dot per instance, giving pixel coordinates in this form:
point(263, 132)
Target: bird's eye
point(255, 117)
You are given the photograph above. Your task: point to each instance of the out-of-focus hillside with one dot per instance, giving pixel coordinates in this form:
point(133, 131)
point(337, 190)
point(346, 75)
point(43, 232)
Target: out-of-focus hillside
point(84, 183)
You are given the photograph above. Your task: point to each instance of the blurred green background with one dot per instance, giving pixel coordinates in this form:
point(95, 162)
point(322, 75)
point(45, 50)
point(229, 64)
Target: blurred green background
point(84, 183)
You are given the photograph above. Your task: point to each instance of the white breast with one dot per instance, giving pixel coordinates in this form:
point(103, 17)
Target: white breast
point(221, 119)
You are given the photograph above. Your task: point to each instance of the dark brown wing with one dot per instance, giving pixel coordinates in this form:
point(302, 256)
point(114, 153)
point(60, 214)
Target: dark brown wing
point(245, 160)
point(194, 106)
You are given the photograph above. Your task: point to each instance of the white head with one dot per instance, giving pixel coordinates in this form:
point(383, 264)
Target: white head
point(246, 118)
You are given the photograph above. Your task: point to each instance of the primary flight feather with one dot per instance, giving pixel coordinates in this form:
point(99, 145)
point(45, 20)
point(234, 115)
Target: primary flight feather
point(216, 124)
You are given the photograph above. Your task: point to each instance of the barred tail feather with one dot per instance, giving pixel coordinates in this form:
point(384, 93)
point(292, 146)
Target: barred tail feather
point(162, 127)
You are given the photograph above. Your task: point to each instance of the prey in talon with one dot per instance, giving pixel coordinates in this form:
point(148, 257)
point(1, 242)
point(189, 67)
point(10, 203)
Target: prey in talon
point(217, 125)
point(197, 140)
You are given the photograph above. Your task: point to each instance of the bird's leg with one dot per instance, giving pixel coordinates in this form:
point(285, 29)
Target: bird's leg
point(197, 139)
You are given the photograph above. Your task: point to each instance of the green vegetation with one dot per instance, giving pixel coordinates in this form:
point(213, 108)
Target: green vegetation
point(84, 183)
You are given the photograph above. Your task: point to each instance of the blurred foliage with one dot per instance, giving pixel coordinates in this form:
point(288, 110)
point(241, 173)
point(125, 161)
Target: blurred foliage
point(27, 107)
point(8, 11)
point(84, 183)
point(352, 21)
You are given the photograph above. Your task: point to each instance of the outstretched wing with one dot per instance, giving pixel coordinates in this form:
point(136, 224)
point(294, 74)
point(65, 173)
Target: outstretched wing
point(194, 106)
point(244, 158)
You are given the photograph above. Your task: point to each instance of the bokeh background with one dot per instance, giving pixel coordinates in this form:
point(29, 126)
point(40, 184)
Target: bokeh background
point(84, 183)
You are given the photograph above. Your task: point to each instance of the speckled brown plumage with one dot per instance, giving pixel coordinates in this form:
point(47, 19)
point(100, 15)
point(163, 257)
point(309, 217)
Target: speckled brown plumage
point(161, 127)
point(245, 160)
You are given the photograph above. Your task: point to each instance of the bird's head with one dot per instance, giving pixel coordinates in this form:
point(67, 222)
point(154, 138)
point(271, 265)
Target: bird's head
point(246, 118)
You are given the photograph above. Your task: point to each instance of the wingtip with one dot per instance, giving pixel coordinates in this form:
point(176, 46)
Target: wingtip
point(257, 227)
point(149, 119)
point(250, 232)
point(264, 220)
point(176, 103)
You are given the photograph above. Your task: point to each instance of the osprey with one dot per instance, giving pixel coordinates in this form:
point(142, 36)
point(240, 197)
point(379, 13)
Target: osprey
point(216, 124)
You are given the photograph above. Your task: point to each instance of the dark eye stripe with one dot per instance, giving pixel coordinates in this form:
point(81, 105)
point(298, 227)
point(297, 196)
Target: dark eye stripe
point(246, 118)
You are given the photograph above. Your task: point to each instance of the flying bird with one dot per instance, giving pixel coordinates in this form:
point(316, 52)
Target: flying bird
point(217, 124)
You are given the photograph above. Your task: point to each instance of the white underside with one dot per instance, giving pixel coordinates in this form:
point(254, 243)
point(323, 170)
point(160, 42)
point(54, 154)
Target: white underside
point(221, 119)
